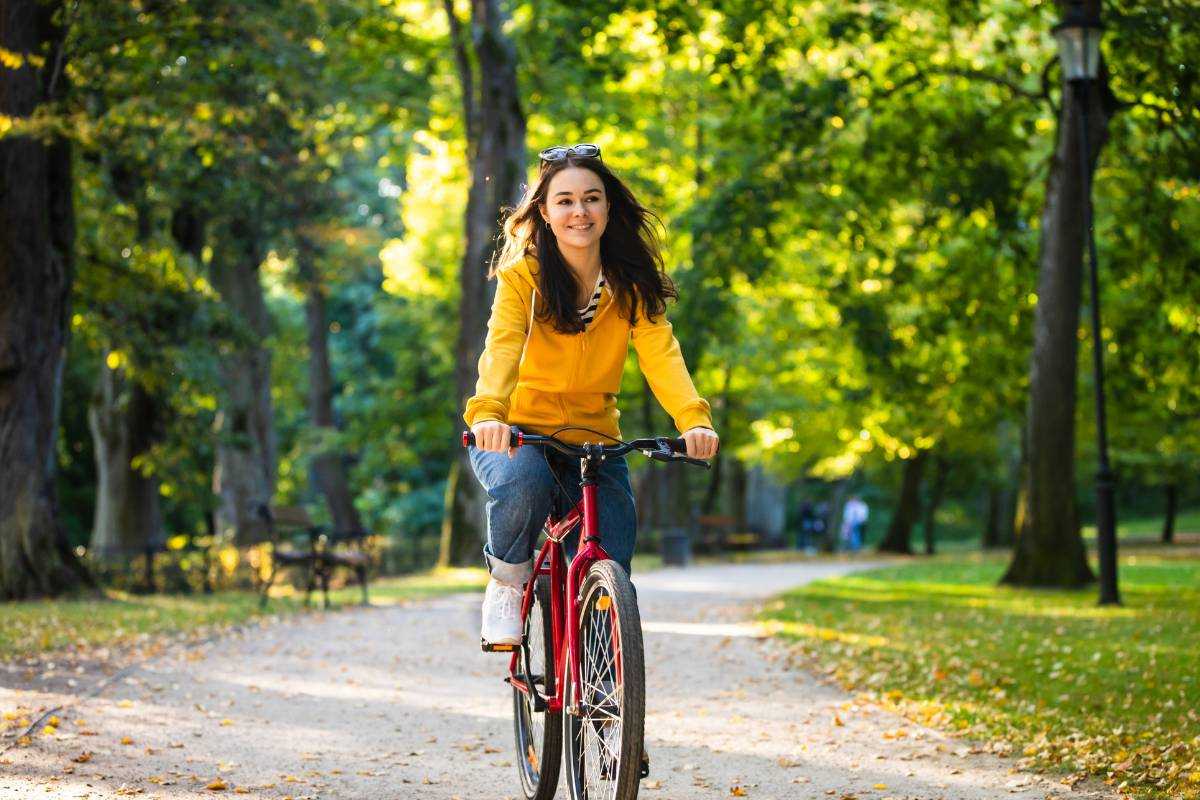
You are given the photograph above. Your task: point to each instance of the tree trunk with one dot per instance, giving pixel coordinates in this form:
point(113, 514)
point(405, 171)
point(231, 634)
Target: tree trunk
point(125, 422)
point(244, 475)
point(123, 419)
point(833, 516)
point(1168, 529)
point(496, 147)
point(329, 472)
point(37, 233)
point(712, 494)
point(649, 491)
point(765, 510)
point(898, 538)
point(936, 493)
point(1050, 549)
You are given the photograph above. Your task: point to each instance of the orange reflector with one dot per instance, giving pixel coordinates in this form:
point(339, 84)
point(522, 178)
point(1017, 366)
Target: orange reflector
point(603, 603)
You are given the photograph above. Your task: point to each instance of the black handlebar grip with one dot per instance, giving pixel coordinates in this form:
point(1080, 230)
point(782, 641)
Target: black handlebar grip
point(678, 445)
point(516, 438)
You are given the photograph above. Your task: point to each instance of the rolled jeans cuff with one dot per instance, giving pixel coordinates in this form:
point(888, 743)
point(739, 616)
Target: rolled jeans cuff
point(512, 574)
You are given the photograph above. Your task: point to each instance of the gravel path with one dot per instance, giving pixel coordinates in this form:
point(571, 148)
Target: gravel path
point(398, 702)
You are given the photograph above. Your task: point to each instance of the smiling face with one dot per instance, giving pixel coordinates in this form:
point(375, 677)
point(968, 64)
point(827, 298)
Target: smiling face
point(576, 208)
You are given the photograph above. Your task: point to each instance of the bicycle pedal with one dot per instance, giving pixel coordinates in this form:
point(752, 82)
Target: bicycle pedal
point(488, 647)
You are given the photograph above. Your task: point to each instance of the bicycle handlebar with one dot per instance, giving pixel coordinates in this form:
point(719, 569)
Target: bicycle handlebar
point(659, 448)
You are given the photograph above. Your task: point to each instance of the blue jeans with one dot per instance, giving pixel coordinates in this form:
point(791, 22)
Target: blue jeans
point(521, 492)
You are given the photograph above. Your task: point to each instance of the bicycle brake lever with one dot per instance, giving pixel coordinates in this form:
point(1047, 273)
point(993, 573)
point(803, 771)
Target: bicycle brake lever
point(659, 455)
point(700, 462)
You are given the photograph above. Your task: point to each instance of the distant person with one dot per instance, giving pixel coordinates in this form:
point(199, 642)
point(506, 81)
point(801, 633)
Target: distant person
point(854, 522)
point(810, 526)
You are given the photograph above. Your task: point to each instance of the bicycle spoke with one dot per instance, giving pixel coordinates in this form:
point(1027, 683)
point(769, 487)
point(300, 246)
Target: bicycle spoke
point(538, 733)
point(601, 711)
point(608, 720)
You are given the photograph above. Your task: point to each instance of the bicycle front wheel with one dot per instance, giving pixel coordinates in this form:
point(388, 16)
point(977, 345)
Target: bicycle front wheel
point(538, 732)
point(604, 737)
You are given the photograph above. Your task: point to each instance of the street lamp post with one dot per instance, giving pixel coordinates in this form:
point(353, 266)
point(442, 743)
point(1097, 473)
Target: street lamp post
point(1079, 54)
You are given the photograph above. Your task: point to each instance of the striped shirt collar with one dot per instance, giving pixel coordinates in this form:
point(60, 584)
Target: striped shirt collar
point(588, 312)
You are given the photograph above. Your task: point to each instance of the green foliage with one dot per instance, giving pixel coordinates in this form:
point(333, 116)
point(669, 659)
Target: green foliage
point(850, 196)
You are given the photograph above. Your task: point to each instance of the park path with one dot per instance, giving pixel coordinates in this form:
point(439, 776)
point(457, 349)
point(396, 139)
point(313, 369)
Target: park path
point(398, 702)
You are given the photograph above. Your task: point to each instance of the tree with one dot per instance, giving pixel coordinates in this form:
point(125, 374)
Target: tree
point(898, 538)
point(37, 231)
point(1049, 549)
point(495, 127)
point(126, 421)
point(1150, 341)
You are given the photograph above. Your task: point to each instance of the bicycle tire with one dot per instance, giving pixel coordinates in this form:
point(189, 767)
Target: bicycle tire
point(538, 734)
point(613, 702)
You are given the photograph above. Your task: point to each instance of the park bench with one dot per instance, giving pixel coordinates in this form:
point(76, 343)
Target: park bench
point(712, 530)
point(743, 540)
point(314, 549)
point(717, 532)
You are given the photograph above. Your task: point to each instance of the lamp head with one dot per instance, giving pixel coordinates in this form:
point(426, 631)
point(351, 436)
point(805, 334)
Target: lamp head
point(1078, 38)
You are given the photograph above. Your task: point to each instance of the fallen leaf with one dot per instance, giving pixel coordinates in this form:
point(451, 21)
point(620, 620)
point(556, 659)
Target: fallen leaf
point(83, 757)
point(737, 791)
point(217, 785)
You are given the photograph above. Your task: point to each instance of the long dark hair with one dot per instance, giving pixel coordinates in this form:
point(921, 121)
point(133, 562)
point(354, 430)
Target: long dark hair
point(629, 250)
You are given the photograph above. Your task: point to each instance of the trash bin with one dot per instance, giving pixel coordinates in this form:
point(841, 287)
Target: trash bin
point(676, 547)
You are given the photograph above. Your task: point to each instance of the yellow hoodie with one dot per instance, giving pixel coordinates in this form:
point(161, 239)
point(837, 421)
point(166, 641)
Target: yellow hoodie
point(541, 380)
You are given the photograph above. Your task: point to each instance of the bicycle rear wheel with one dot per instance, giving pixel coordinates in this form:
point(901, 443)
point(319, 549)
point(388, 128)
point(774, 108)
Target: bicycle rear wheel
point(538, 732)
point(604, 738)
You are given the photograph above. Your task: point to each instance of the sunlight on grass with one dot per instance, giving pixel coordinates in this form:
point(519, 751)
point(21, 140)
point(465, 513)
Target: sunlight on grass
point(1069, 684)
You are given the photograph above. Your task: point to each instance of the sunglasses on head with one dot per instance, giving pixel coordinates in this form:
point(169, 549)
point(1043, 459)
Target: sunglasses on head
point(559, 152)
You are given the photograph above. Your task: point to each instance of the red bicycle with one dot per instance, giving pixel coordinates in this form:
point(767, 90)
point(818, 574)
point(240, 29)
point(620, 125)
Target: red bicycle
point(581, 622)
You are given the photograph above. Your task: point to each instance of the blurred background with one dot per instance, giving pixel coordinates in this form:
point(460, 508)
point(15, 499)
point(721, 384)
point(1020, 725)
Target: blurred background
point(245, 246)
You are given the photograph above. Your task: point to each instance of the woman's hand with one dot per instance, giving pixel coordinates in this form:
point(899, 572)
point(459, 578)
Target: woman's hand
point(494, 436)
point(702, 442)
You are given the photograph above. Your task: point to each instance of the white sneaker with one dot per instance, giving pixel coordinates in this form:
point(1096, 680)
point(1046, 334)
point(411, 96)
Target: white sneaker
point(501, 613)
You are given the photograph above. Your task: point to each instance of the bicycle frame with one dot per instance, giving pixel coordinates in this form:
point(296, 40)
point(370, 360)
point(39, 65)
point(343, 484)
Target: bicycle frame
point(565, 582)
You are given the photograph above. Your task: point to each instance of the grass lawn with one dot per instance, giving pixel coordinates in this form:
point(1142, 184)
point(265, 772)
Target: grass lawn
point(1143, 527)
point(1112, 692)
point(31, 628)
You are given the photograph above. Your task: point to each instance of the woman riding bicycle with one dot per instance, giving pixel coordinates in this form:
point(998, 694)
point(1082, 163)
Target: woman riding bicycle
point(579, 276)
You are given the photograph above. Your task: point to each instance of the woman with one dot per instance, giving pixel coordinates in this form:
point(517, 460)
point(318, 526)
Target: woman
point(579, 276)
